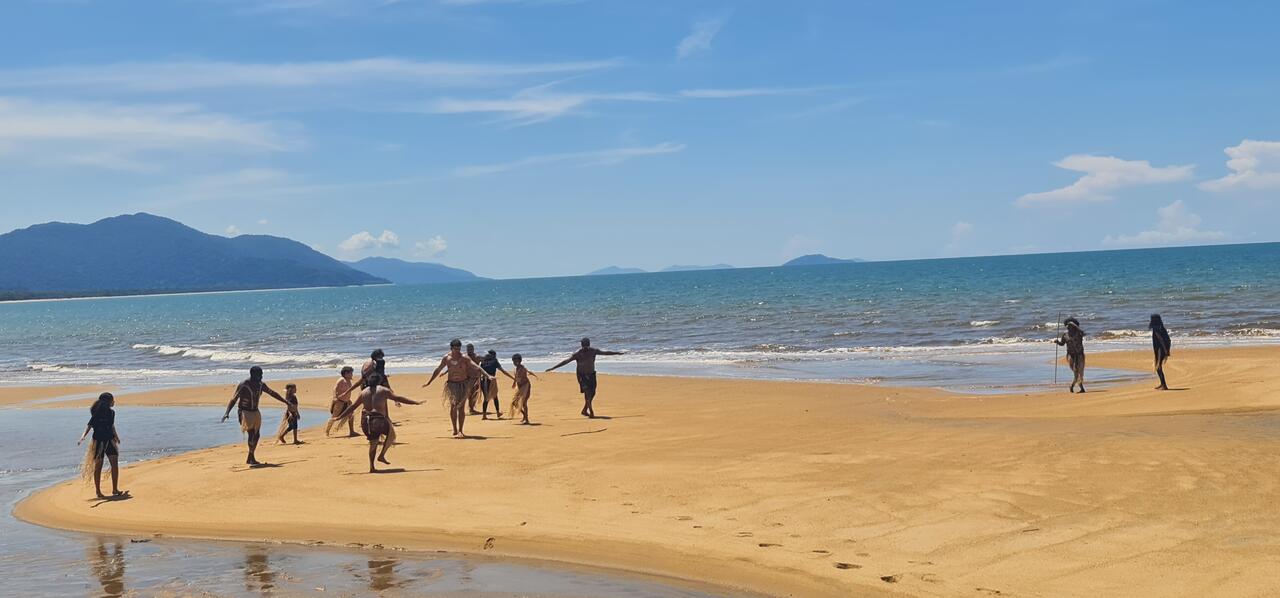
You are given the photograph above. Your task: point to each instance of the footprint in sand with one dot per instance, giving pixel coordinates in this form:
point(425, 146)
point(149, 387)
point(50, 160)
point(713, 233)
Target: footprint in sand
point(864, 554)
point(890, 578)
point(990, 591)
point(768, 545)
point(684, 518)
point(488, 544)
point(820, 551)
point(847, 566)
point(744, 534)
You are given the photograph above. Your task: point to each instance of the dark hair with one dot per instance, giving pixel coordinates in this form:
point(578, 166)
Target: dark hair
point(380, 366)
point(586, 342)
point(1071, 320)
point(101, 403)
point(255, 373)
point(374, 380)
point(1156, 322)
point(491, 352)
point(455, 343)
point(517, 358)
point(377, 354)
point(471, 347)
point(291, 386)
point(346, 369)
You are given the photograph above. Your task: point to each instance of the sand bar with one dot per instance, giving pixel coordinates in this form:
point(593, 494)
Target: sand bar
point(794, 489)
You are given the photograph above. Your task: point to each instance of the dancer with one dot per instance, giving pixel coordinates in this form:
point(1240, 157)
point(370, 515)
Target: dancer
point(341, 400)
point(461, 370)
point(586, 367)
point(289, 423)
point(489, 386)
point(105, 444)
point(1073, 339)
point(246, 399)
point(473, 382)
point(376, 422)
point(1162, 345)
point(520, 382)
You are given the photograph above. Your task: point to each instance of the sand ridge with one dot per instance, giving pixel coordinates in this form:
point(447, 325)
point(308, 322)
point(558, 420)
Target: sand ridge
point(788, 488)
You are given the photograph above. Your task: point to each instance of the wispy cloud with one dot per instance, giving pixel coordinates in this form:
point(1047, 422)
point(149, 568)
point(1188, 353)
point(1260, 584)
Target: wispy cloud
point(431, 247)
point(124, 136)
point(1254, 165)
point(534, 104)
point(747, 92)
point(364, 240)
point(591, 158)
point(1102, 175)
point(699, 40)
point(1175, 225)
point(148, 77)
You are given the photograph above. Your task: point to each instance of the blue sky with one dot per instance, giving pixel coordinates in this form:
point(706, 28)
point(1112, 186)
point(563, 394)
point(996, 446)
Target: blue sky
point(543, 137)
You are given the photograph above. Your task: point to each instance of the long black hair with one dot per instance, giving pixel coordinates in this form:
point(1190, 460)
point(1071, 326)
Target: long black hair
point(104, 402)
point(1157, 323)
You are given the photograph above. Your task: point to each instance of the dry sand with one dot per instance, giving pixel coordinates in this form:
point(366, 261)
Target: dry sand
point(784, 488)
point(17, 395)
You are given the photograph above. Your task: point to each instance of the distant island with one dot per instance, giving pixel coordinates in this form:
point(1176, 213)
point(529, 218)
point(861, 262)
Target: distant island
point(145, 254)
point(403, 272)
point(611, 270)
point(817, 259)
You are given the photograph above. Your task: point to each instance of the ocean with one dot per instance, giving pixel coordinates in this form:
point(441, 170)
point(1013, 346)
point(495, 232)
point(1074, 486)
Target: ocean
point(966, 324)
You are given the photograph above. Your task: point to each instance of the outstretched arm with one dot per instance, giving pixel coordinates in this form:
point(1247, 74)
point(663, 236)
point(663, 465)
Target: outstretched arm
point(443, 363)
point(267, 389)
point(399, 399)
point(563, 363)
point(504, 373)
point(611, 353)
point(352, 409)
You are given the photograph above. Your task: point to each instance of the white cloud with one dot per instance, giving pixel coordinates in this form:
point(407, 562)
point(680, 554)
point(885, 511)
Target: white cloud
point(592, 158)
point(431, 247)
point(534, 104)
point(1175, 226)
point(1103, 174)
point(263, 222)
point(364, 240)
point(232, 231)
point(699, 40)
point(146, 77)
point(747, 92)
point(123, 136)
point(1254, 165)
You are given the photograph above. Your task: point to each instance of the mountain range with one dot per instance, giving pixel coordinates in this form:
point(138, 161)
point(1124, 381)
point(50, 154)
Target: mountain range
point(142, 253)
point(402, 272)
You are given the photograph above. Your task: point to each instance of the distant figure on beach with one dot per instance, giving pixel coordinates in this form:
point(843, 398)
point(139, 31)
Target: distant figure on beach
point(104, 445)
point(246, 398)
point(473, 382)
point(377, 363)
point(1073, 339)
point(461, 371)
point(1162, 345)
point(489, 386)
point(341, 400)
point(520, 382)
point(376, 422)
point(586, 360)
point(289, 423)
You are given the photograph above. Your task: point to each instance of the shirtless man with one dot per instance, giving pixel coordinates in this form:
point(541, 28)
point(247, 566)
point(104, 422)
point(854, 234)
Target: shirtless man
point(473, 382)
point(461, 371)
point(376, 422)
point(341, 400)
point(246, 399)
point(586, 358)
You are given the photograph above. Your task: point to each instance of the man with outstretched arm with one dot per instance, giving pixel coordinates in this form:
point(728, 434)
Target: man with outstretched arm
point(246, 398)
point(461, 370)
point(586, 359)
point(376, 422)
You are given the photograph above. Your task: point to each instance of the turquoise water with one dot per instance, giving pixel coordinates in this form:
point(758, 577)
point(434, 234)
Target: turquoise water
point(40, 450)
point(970, 323)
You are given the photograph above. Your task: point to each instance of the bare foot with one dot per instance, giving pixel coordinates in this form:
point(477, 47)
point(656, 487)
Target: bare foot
point(383, 460)
point(298, 442)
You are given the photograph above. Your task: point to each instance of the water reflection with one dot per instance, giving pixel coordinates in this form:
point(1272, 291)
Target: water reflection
point(258, 576)
point(382, 574)
point(108, 567)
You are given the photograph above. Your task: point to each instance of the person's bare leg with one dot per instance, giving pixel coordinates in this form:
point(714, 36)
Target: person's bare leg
point(115, 474)
point(590, 410)
point(373, 450)
point(295, 436)
point(386, 444)
point(97, 476)
point(351, 426)
point(524, 412)
point(453, 418)
point(462, 420)
point(254, 437)
point(1160, 372)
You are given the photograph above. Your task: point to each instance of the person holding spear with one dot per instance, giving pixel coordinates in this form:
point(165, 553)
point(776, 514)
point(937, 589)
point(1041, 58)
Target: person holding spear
point(1073, 340)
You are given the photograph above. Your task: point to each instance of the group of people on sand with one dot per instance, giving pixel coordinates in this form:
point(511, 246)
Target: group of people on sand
point(468, 377)
point(1073, 339)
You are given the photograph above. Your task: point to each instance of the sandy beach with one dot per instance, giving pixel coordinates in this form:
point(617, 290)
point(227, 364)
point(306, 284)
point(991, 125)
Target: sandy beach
point(790, 489)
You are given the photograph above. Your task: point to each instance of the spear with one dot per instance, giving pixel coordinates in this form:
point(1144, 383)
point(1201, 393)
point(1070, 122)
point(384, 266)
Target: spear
point(1057, 334)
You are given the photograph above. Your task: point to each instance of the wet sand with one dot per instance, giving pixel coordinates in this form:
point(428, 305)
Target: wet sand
point(785, 488)
point(17, 395)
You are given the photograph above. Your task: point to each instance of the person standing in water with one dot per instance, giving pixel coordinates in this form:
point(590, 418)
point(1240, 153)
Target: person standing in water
point(341, 400)
point(1073, 339)
point(586, 366)
point(461, 371)
point(1162, 345)
point(489, 386)
point(376, 421)
point(246, 399)
point(104, 445)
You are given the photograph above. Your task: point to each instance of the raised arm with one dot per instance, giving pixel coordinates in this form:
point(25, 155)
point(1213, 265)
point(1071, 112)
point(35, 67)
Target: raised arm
point(267, 389)
point(444, 362)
